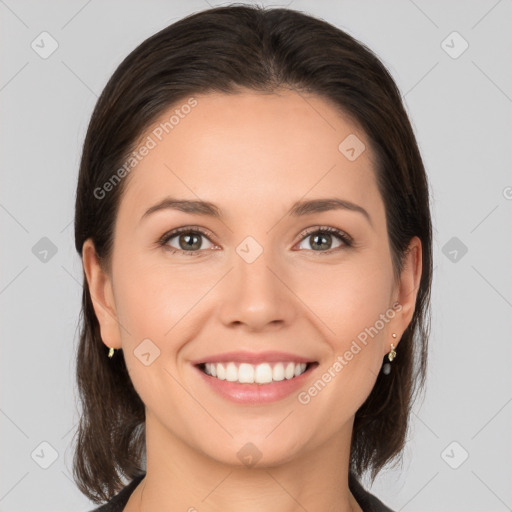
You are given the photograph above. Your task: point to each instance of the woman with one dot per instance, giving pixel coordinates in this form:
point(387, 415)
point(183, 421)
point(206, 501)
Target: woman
point(253, 216)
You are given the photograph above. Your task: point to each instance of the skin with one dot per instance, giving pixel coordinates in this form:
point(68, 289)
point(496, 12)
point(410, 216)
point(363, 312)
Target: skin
point(253, 155)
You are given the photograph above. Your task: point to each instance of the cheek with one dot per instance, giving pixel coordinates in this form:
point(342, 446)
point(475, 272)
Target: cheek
point(347, 297)
point(153, 302)
point(152, 298)
point(353, 310)
point(156, 300)
point(351, 303)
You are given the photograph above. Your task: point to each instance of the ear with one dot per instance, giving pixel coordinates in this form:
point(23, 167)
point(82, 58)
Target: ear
point(102, 296)
point(408, 286)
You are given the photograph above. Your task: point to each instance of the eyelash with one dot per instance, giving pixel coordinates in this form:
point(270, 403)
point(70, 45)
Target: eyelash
point(346, 239)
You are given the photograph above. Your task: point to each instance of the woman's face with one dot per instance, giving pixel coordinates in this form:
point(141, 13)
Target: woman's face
point(264, 277)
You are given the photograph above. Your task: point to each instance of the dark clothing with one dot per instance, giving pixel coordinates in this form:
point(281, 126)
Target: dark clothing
point(368, 502)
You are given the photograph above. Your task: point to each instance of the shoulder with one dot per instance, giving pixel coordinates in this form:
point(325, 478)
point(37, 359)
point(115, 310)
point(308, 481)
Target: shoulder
point(367, 501)
point(119, 501)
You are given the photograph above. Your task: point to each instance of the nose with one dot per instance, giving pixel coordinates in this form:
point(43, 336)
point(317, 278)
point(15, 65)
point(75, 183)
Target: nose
point(257, 295)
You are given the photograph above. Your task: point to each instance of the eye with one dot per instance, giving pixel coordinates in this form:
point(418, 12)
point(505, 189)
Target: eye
point(188, 240)
point(320, 238)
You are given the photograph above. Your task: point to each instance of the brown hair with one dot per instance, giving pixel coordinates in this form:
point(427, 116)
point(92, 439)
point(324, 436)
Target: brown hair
point(225, 49)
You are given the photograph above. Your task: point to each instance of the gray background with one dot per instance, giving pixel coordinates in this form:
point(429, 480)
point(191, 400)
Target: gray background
point(460, 106)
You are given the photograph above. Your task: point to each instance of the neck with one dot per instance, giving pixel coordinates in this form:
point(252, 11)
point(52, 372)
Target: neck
point(181, 478)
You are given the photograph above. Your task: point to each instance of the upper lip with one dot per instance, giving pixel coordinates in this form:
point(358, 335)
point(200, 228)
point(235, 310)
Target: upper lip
point(254, 358)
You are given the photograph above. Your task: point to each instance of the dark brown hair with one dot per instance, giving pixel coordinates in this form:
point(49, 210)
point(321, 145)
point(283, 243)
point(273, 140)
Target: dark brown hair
point(227, 49)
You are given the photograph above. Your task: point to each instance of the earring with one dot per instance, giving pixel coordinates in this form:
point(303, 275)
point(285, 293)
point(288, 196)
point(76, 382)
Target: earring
point(386, 368)
point(111, 352)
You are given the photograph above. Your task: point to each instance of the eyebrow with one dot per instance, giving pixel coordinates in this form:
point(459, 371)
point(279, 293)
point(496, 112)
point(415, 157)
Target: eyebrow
point(299, 209)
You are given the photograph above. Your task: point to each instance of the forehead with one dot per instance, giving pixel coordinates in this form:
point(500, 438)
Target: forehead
point(272, 149)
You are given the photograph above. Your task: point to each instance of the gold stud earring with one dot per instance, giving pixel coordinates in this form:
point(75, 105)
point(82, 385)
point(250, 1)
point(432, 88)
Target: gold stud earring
point(386, 367)
point(392, 353)
point(111, 352)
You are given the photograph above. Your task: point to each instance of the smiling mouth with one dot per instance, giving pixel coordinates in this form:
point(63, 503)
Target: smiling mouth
point(263, 373)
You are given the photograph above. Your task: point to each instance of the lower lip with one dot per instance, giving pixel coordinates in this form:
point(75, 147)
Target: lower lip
point(257, 393)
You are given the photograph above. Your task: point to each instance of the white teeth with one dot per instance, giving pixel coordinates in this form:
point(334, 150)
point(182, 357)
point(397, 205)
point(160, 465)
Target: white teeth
point(259, 374)
point(245, 373)
point(219, 370)
point(278, 372)
point(231, 372)
point(263, 374)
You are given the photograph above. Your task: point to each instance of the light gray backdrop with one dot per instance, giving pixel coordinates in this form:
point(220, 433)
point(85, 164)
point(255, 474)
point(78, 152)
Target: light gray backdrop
point(451, 60)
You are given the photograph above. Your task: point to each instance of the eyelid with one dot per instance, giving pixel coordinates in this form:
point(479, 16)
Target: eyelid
point(343, 235)
point(185, 229)
point(339, 233)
